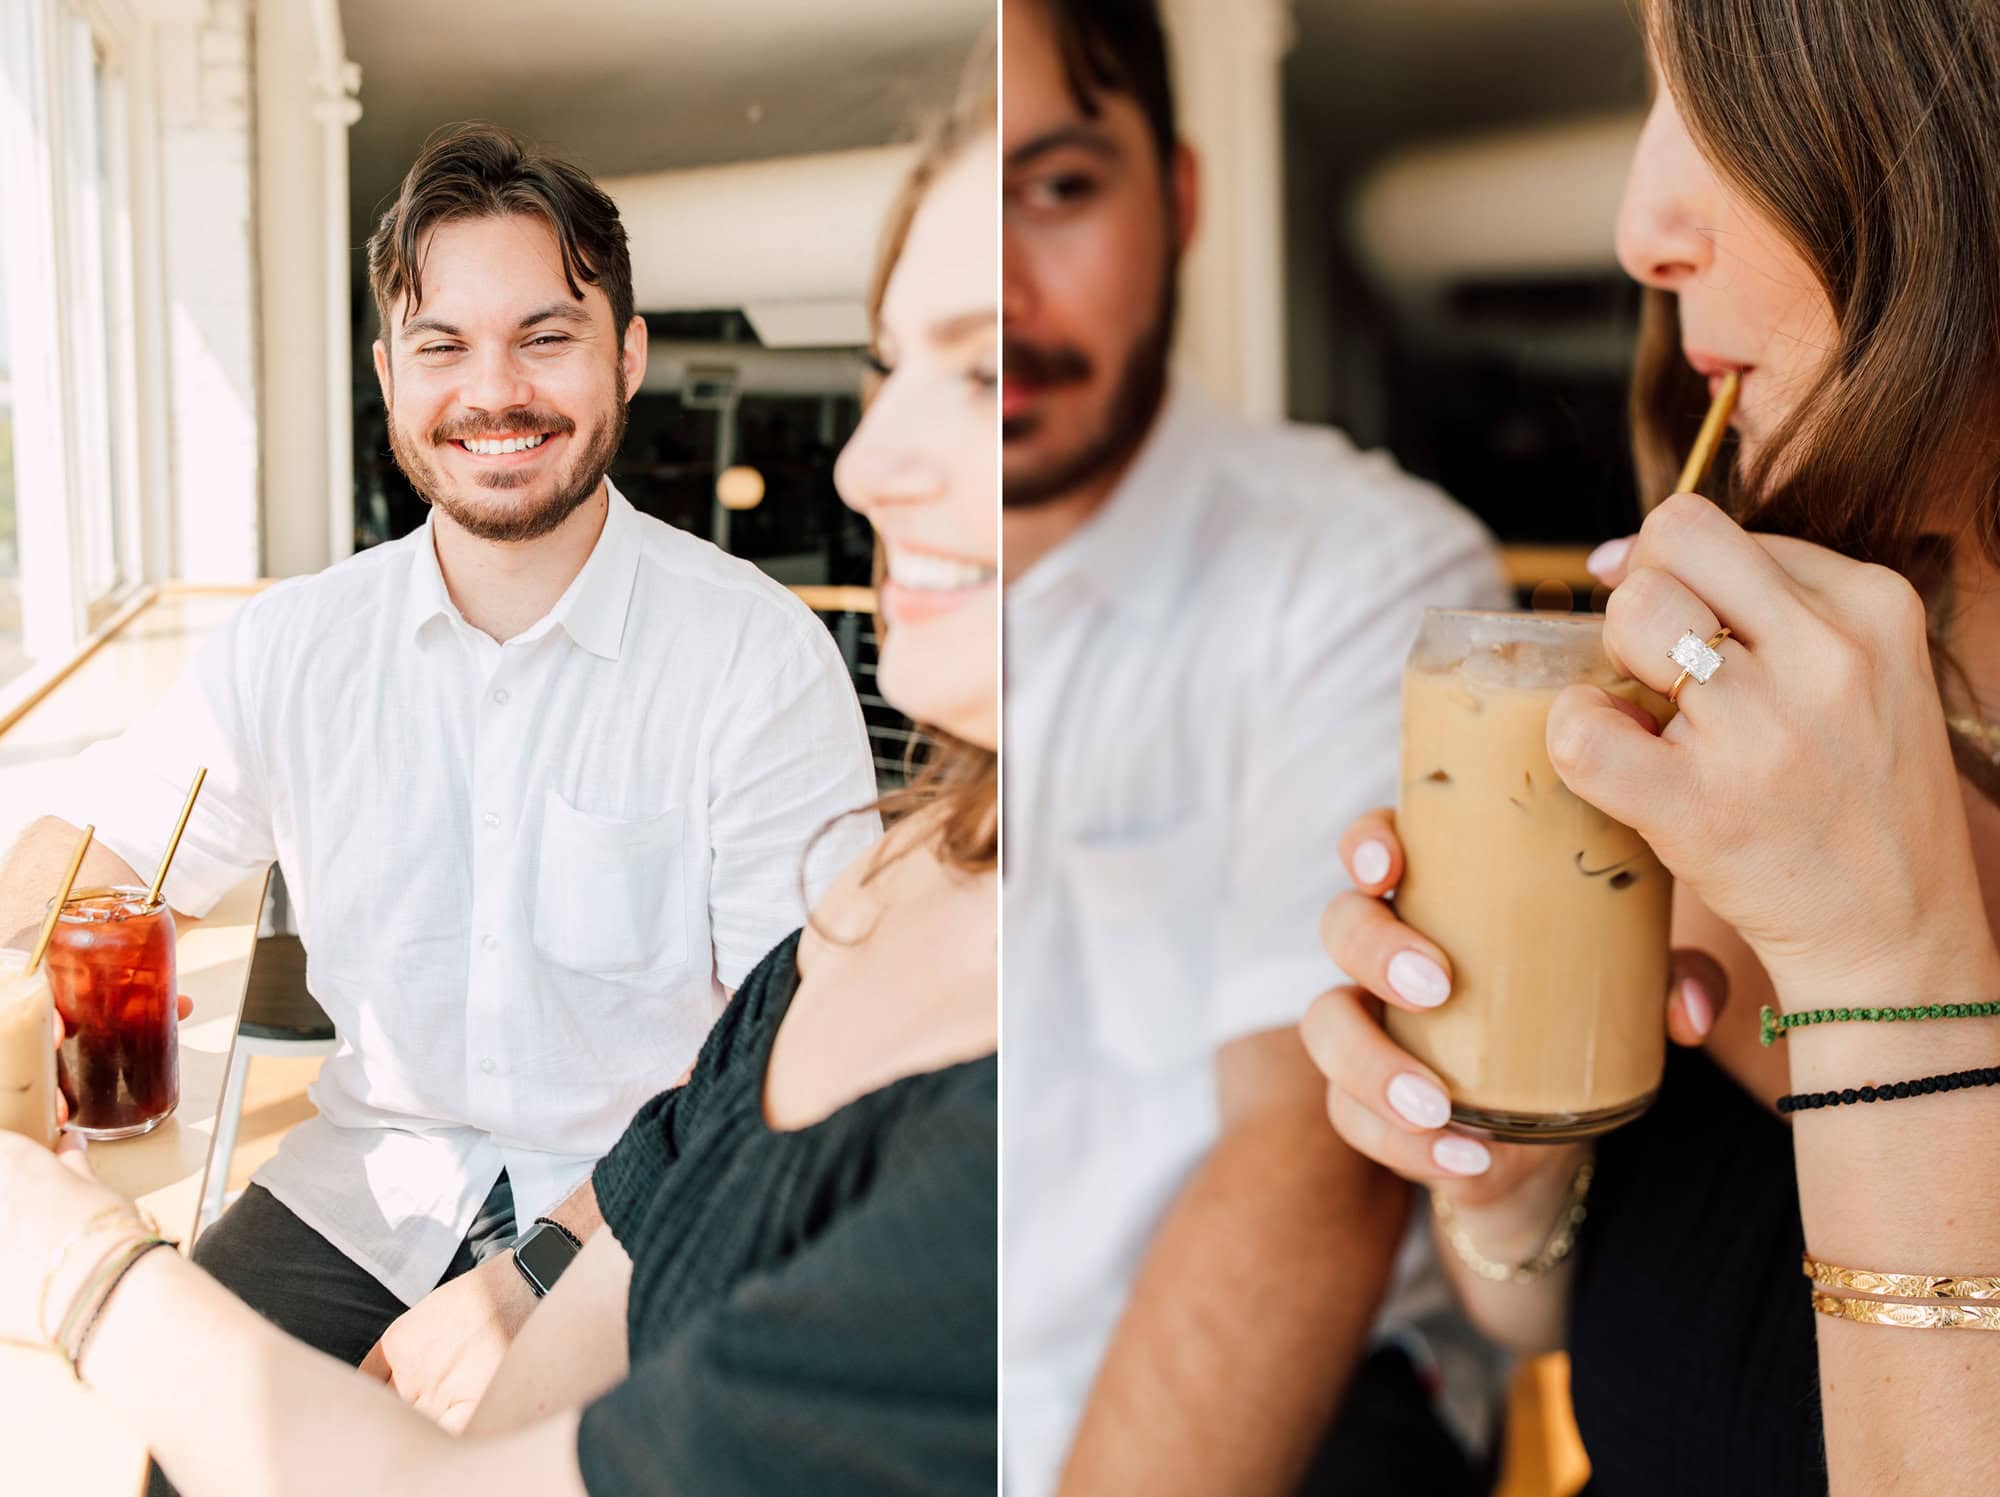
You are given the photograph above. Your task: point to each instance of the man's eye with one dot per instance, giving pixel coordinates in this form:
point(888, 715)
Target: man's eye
point(434, 348)
point(546, 340)
point(1064, 190)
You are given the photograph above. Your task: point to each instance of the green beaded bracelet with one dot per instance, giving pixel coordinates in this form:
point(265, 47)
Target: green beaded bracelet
point(1772, 1024)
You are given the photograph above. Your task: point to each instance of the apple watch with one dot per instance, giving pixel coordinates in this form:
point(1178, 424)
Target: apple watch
point(543, 1252)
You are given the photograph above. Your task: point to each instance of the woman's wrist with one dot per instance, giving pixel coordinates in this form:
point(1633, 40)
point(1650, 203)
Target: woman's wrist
point(1513, 1227)
point(1957, 963)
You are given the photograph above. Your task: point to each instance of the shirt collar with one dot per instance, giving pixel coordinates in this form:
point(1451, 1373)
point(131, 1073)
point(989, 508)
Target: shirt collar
point(1131, 553)
point(592, 608)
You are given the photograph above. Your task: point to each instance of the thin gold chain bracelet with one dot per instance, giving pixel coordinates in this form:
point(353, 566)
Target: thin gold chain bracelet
point(1555, 1247)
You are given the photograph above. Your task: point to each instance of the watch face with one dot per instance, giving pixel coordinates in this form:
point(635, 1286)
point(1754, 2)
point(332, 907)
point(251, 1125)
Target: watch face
point(544, 1254)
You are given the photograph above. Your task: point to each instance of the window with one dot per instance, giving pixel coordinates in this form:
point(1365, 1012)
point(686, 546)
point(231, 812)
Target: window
point(69, 473)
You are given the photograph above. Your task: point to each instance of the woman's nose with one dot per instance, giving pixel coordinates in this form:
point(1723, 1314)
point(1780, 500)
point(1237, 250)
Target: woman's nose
point(1661, 241)
point(886, 462)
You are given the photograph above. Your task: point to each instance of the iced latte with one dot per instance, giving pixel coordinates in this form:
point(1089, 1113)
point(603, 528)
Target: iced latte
point(1554, 916)
point(27, 1051)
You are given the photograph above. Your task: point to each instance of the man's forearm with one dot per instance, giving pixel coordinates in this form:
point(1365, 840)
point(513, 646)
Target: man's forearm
point(1249, 1314)
point(34, 866)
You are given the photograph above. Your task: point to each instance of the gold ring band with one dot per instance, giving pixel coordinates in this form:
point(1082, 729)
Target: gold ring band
point(1674, 691)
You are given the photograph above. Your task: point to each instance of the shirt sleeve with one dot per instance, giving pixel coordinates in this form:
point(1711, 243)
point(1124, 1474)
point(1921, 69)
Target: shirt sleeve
point(131, 787)
point(1326, 741)
point(866, 1366)
point(790, 761)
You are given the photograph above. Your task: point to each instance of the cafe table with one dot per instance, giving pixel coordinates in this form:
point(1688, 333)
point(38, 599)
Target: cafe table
point(55, 1436)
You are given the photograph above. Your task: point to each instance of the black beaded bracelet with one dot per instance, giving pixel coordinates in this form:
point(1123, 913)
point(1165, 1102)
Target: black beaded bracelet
point(1895, 1091)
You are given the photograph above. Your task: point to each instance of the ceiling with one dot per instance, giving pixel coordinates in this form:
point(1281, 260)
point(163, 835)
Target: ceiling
point(626, 86)
point(1368, 77)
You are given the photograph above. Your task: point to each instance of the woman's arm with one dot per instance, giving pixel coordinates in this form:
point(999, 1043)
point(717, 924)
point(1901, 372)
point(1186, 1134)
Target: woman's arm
point(572, 1348)
point(232, 1407)
point(1808, 795)
point(1907, 1187)
point(1529, 1318)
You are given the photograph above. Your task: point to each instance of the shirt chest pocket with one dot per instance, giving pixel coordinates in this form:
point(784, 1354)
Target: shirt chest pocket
point(1145, 911)
point(610, 895)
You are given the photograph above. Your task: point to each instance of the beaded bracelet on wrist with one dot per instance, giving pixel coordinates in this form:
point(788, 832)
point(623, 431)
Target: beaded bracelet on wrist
point(1895, 1091)
point(1772, 1025)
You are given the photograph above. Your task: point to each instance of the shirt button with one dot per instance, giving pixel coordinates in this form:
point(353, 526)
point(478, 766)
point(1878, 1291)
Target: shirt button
point(487, 1066)
point(490, 819)
point(500, 696)
point(491, 943)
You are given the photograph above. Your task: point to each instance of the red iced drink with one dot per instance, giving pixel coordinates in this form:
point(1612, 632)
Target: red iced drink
point(111, 965)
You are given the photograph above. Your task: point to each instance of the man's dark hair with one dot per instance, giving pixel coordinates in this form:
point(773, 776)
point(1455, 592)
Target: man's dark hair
point(1120, 47)
point(483, 171)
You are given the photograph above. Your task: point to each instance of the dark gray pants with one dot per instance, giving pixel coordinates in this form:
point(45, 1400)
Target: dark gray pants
point(308, 1288)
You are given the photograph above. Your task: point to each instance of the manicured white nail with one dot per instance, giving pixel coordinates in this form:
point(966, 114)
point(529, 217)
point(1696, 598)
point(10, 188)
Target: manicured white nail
point(1606, 559)
point(1695, 1004)
point(1418, 979)
point(1419, 1101)
point(1371, 863)
point(1462, 1156)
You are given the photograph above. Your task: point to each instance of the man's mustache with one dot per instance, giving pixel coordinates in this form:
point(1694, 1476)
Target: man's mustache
point(507, 423)
point(1033, 364)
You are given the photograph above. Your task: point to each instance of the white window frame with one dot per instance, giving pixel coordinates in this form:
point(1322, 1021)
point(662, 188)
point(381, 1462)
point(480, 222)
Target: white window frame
point(70, 302)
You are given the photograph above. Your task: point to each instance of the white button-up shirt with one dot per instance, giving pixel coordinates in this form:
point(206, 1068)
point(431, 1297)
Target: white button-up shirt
point(1203, 689)
point(524, 874)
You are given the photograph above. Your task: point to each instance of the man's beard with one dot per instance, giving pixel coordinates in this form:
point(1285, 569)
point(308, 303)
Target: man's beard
point(1135, 400)
point(525, 522)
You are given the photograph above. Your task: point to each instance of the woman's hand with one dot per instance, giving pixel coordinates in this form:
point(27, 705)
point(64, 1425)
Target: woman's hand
point(1806, 793)
point(1390, 1106)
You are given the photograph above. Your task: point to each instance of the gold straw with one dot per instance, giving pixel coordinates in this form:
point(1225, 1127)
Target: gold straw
point(187, 809)
point(62, 898)
point(1712, 427)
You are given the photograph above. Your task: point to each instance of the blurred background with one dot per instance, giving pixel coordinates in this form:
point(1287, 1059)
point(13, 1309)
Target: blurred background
point(186, 391)
point(1408, 233)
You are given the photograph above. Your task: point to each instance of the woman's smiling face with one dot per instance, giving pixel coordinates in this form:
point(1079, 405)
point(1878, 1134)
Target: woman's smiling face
point(924, 464)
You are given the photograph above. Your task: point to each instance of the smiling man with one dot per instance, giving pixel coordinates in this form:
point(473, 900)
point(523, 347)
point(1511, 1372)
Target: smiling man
point(541, 777)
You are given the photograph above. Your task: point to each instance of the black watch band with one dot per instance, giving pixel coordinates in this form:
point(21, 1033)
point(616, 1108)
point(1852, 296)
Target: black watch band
point(543, 1252)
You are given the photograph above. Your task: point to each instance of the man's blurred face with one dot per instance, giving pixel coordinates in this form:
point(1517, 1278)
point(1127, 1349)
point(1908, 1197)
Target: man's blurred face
point(1090, 244)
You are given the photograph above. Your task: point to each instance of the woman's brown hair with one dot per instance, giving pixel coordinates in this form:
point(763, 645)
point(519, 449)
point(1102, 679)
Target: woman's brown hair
point(1868, 133)
point(955, 781)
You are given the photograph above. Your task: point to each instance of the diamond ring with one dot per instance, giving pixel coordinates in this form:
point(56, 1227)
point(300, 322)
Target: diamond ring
point(1695, 659)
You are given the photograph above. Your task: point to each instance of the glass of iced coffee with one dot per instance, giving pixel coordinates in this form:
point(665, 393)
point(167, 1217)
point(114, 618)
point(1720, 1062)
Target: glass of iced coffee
point(1554, 916)
point(111, 965)
point(27, 1050)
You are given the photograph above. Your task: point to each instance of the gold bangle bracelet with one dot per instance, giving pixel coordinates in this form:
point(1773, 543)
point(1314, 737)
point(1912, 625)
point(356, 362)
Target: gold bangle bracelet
point(1556, 1247)
point(1900, 1285)
point(121, 1213)
point(1911, 1317)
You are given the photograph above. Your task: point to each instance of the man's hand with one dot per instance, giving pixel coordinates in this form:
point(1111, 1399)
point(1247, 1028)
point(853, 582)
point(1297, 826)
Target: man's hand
point(442, 1352)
